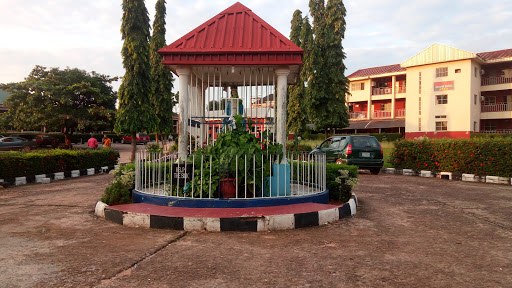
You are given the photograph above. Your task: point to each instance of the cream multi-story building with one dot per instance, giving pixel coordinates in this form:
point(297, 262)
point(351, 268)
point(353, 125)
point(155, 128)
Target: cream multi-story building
point(440, 92)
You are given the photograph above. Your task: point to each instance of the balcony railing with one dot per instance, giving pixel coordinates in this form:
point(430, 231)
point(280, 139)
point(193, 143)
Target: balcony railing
point(400, 113)
point(381, 114)
point(381, 91)
point(501, 107)
point(496, 80)
point(401, 89)
point(358, 115)
point(497, 131)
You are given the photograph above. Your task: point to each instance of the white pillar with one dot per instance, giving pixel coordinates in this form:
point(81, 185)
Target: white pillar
point(184, 80)
point(393, 96)
point(369, 108)
point(282, 86)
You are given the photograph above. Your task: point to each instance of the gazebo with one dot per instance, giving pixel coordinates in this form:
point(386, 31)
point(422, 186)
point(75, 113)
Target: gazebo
point(234, 66)
point(234, 53)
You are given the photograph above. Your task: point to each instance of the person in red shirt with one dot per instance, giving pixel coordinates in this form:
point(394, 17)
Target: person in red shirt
point(92, 143)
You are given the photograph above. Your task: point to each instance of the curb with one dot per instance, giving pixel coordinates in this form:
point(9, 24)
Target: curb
point(46, 178)
point(241, 224)
point(450, 176)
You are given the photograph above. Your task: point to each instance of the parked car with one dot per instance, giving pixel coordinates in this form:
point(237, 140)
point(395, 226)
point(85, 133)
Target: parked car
point(360, 150)
point(16, 143)
point(141, 138)
point(45, 140)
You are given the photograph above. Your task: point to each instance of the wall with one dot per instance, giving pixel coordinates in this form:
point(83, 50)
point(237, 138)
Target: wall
point(458, 111)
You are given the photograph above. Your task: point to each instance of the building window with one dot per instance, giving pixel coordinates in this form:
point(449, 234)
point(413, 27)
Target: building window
point(442, 72)
point(441, 125)
point(490, 100)
point(457, 70)
point(476, 98)
point(475, 126)
point(419, 124)
point(489, 126)
point(357, 86)
point(419, 87)
point(441, 117)
point(441, 99)
point(476, 72)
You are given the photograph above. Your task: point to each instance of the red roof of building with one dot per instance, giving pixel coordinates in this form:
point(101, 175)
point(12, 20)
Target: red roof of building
point(377, 71)
point(495, 55)
point(234, 36)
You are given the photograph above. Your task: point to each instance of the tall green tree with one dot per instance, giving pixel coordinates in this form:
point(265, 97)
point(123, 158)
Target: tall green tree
point(61, 100)
point(135, 112)
point(161, 94)
point(328, 84)
point(297, 104)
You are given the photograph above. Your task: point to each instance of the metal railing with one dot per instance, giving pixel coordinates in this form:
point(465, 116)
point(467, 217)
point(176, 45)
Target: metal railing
point(381, 114)
point(400, 113)
point(381, 91)
point(501, 107)
point(495, 80)
point(497, 131)
point(401, 89)
point(230, 176)
point(358, 115)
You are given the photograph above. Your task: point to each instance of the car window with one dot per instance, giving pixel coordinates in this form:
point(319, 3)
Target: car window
point(142, 135)
point(326, 144)
point(7, 140)
point(343, 142)
point(361, 142)
point(335, 143)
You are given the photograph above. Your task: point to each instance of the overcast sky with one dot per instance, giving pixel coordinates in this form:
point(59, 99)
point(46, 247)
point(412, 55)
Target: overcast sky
point(86, 33)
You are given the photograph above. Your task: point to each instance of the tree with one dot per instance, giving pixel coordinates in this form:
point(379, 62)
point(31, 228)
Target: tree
point(328, 84)
point(297, 106)
point(66, 100)
point(161, 93)
point(135, 112)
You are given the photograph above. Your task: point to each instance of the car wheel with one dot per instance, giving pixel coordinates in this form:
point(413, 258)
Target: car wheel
point(122, 141)
point(339, 161)
point(375, 171)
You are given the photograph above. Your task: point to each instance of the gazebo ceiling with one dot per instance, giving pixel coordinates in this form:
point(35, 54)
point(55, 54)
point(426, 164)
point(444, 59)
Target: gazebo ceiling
point(234, 37)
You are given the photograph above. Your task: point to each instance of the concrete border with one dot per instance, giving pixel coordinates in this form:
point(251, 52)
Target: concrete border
point(45, 178)
point(450, 176)
point(246, 224)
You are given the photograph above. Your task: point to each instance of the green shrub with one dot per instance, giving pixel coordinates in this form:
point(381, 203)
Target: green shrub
point(294, 148)
point(387, 137)
point(476, 156)
point(491, 136)
point(340, 180)
point(116, 193)
point(18, 164)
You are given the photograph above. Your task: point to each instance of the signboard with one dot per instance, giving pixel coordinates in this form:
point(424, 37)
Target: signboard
point(181, 173)
point(443, 86)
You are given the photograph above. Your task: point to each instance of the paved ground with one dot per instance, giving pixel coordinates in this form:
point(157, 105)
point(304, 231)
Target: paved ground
point(409, 232)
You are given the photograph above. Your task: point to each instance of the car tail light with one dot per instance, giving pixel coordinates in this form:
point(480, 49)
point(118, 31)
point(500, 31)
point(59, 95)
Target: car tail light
point(349, 149)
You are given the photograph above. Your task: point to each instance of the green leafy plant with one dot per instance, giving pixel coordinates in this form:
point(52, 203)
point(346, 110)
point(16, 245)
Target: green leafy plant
point(119, 191)
point(116, 193)
point(475, 156)
point(232, 147)
point(18, 164)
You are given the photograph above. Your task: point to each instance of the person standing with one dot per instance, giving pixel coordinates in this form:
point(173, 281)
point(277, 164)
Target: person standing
point(92, 143)
point(106, 141)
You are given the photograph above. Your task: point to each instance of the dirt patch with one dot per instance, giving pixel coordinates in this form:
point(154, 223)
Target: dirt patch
point(408, 232)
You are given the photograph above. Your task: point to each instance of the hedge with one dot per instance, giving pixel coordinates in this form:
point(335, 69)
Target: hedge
point(341, 191)
point(491, 136)
point(491, 157)
point(19, 164)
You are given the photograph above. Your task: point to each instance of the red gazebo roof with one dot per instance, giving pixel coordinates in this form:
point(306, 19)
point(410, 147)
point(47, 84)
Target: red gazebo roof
point(236, 36)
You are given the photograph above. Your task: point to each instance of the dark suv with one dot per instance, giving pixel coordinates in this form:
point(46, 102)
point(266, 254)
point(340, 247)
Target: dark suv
point(360, 150)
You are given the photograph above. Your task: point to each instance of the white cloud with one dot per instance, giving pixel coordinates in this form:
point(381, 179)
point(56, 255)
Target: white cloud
point(86, 34)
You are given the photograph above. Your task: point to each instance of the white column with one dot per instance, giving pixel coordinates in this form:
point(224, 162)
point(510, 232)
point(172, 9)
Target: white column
point(281, 90)
point(393, 96)
point(184, 80)
point(369, 108)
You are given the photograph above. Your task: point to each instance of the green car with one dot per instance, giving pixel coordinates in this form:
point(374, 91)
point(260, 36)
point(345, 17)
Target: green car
point(360, 150)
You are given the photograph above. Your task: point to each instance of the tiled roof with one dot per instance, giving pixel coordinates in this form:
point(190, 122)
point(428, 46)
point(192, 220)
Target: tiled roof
point(377, 71)
point(236, 29)
point(495, 55)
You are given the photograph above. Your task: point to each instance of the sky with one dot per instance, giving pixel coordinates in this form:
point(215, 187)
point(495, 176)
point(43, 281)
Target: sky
point(86, 33)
